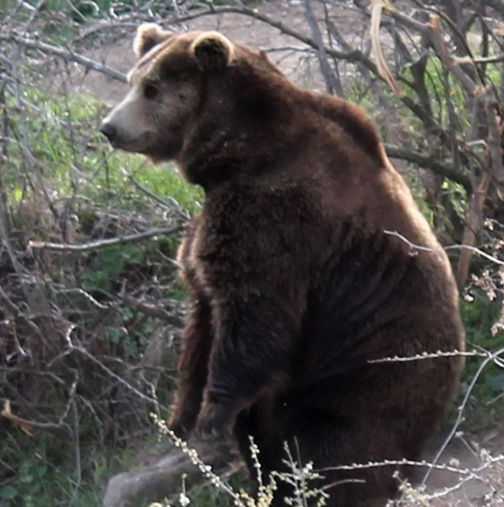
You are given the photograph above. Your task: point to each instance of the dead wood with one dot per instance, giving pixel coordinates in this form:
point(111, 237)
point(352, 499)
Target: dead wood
point(164, 479)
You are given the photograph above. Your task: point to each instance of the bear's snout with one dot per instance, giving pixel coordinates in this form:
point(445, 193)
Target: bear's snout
point(109, 131)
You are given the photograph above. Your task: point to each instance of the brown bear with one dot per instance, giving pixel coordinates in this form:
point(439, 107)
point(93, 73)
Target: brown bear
point(300, 267)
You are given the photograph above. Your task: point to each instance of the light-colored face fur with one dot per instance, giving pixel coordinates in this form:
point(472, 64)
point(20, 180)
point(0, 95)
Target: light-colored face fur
point(165, 89)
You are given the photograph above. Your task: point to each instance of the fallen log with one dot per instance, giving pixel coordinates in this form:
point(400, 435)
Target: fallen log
point(164, 479)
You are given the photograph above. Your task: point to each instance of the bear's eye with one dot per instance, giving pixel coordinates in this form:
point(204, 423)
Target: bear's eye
point(150, 91)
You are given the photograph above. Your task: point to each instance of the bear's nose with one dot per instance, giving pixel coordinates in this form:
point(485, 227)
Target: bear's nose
point(109, 131)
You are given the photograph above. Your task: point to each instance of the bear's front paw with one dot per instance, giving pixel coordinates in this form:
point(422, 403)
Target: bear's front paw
point(214, 423)
point(179, 428)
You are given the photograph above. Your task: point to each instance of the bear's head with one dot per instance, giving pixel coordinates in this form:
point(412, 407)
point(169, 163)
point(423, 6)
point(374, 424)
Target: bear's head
point(188, 91)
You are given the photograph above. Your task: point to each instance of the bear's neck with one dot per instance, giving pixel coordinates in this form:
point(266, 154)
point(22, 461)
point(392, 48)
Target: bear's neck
point(256, 127)
point(250, 138)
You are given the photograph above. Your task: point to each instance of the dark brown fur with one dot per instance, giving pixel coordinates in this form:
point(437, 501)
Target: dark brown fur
point(296, 286)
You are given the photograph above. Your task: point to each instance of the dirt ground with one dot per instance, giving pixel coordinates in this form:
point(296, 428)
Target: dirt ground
point(462, 452)
point(288, 53)
point(469, 451)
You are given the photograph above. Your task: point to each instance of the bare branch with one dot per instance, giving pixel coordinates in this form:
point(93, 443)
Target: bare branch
point(474, 221)
point(420, 248)
point(495, 142)
point(66, 54)
point(155, 311)
point(381, 62)
point(103, 243)
point(325, 67)
point(353, 55)
point(439, 44)
point(27, 425)
point(449, 171)
point(483, 60)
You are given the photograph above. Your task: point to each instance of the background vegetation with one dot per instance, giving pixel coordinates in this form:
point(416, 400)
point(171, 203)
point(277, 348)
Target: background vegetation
point(90, 303)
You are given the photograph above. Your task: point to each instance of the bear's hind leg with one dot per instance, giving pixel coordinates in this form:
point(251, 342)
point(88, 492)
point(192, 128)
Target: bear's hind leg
point(328, 446)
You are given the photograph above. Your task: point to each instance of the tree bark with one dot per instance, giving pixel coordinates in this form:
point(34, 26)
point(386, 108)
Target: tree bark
point(474, 222)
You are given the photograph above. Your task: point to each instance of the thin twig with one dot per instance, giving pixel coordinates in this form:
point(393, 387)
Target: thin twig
point(473, 249)
point(103, 243)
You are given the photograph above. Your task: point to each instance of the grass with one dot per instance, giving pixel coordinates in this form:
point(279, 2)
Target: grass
point(47, 478)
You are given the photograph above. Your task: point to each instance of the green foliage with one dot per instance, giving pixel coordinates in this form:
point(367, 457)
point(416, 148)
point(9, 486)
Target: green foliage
point(479, 315)
point(458, 196)
point(37, 481)
point(64, 138)
point(45, 476)
point(450, 107)
point(108, 264)
point(58, 156)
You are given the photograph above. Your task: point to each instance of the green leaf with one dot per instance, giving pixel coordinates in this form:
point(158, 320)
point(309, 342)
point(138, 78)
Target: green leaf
point(8, 492)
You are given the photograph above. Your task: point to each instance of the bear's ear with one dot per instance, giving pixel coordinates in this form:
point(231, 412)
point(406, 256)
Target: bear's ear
point(147, 36)
point(212, 51)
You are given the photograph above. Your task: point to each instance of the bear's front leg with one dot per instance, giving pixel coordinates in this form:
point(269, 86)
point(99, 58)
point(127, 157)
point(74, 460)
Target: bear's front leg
point(192, 368)
point(251, 353)
point(217, 418)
